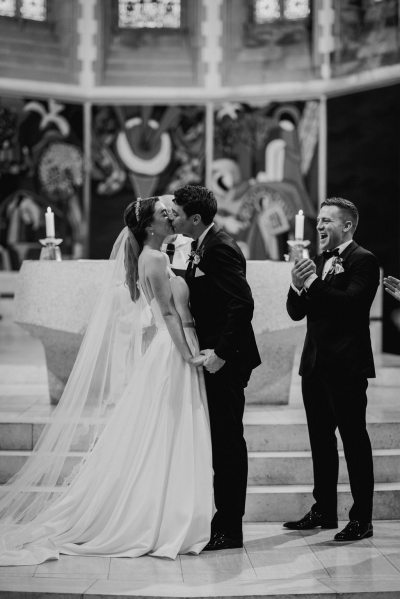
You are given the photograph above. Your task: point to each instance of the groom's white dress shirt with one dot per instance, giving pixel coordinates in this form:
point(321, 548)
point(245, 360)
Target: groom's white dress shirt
point(182, 251)
point(202, 236)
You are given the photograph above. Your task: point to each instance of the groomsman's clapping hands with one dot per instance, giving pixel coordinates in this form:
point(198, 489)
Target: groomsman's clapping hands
point(392, 286)
point(301, 271)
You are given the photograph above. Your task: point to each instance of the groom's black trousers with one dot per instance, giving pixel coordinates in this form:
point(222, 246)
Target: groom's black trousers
point(334, 401)
point(225, 395)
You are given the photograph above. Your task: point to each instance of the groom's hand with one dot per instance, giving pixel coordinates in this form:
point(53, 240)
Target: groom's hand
point(213, 363)
point(301, 271)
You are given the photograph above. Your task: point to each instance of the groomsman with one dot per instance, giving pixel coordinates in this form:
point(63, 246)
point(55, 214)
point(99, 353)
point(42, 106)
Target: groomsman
point(335, 293)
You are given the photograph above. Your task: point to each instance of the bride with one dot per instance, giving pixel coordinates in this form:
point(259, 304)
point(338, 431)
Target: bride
point(124, 468)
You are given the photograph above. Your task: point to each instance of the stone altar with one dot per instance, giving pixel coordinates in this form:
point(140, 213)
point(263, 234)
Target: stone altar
point(54, 300)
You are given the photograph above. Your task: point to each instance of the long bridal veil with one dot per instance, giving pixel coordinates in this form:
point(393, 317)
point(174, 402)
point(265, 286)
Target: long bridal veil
point(114, 337)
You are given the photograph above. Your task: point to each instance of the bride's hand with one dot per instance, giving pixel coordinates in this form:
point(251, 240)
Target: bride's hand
point(197, 360)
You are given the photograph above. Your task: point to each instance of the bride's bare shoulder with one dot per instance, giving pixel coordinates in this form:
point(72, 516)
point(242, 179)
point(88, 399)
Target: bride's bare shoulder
point(153, 260)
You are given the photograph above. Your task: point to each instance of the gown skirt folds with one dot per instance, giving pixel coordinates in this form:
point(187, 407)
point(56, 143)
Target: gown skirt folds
point(147, 485)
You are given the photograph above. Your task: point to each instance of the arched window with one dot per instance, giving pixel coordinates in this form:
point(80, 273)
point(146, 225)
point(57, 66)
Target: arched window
point(32, 10)
point(268, 11)
point(149, 14)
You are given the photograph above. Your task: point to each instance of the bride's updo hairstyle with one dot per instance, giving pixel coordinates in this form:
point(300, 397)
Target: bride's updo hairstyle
point(138, 216)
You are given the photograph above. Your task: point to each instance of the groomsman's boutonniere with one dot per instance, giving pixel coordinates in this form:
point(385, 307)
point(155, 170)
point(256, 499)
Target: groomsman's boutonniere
point(337, 266)
point(195, 256)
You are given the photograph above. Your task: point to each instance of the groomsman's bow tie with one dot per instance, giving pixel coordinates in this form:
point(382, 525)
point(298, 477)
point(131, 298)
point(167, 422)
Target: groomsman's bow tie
point(194, 244)
point(330, 253)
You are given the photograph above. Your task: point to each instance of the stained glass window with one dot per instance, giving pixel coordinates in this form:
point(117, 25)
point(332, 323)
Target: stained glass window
point(7, 8)
point(296, 9)
point(267, 11)
point(152, 14)
point(35, 10)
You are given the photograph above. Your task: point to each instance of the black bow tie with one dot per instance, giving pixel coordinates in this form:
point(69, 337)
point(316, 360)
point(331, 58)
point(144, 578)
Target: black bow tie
point(170, 251)
point(194, 245)
point(330, 253)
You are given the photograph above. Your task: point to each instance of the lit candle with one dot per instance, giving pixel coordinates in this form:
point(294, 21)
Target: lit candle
point(49, 216)
point(299, 226)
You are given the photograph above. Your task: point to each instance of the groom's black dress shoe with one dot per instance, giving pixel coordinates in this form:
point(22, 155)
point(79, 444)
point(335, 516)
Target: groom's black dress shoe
point(355, 531)
point(311, 520)
point(222, 540)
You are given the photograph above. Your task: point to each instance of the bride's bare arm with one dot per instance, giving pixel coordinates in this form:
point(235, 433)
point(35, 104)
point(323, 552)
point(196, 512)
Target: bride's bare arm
point(160, 285)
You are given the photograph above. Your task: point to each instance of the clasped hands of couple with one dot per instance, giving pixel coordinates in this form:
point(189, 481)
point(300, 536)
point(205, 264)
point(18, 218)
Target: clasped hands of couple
point(302, 269)
point(209, 360)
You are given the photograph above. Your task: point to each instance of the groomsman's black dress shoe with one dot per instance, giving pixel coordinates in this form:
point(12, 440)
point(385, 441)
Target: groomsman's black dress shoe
point(222, 540)
point(311, 520)
point(355, 531)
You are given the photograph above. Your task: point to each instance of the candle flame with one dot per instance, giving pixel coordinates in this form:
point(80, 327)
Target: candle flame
point(48, 209)
point(300, 212)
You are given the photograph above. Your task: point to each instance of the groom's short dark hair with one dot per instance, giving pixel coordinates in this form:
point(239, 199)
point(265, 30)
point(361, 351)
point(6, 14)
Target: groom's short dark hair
point(195, 199)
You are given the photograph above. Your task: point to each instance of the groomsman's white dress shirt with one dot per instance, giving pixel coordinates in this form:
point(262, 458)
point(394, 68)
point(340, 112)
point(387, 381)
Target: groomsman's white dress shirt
point(326, 269)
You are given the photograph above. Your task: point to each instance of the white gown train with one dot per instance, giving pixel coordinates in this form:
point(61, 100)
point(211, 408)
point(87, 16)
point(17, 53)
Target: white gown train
point(146, 487)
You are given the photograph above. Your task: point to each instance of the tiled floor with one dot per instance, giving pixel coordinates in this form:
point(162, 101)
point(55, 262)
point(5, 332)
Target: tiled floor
point(274, 562)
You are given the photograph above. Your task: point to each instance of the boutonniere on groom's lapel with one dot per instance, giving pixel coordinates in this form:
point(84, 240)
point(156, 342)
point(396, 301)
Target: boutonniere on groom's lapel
point(336, 267)
point(195, 256)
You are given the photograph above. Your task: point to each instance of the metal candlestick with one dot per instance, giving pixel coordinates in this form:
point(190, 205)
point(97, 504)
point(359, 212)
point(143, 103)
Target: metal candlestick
point(50, 249)
point(297, 249)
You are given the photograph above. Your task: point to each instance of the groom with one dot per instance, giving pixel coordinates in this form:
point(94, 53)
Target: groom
point(222, 306)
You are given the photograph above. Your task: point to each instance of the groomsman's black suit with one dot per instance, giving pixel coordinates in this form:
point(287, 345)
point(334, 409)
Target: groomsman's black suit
point(336, 362)
point(222, 306)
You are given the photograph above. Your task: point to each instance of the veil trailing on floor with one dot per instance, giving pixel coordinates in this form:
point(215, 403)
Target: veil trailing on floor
point(111, 346)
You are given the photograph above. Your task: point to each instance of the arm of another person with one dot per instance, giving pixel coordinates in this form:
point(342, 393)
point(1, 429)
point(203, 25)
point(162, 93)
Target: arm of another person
point(392, 286)
point(226, 269)
point(158, 279)
point(363, 282)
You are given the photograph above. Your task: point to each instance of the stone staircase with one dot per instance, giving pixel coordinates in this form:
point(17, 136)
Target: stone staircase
point(280, 468)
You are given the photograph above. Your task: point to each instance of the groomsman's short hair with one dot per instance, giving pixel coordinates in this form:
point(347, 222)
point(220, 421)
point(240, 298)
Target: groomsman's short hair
point(195, 199)
point(346, 206)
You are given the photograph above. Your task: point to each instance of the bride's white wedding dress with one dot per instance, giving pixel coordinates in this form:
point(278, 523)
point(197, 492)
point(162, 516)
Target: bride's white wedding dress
point(146, 487)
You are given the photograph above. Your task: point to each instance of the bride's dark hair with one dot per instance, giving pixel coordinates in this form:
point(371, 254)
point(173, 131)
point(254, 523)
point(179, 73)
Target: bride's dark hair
point(137, 216)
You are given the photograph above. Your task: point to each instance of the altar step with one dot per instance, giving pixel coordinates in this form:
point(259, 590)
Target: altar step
point(295, 467)
point(263, 431)
point(266, 468)
point(273, 502)
point(277, 503)
point(285, 429)
point(280, 466)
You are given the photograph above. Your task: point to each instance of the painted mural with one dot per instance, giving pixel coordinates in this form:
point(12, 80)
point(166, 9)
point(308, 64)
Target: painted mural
point(140, 151)
point(41, 165)
point(264, 171)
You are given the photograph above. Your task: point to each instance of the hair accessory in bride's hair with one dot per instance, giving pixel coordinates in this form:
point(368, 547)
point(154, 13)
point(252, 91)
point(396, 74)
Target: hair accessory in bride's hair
point(137, 209)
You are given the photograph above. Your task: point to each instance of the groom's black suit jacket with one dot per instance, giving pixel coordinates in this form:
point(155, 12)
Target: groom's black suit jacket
point(221, 301)
point(337, 310)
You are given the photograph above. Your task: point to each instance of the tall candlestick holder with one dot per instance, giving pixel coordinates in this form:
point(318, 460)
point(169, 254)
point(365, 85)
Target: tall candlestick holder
point(297, 250)
point(50, 249)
